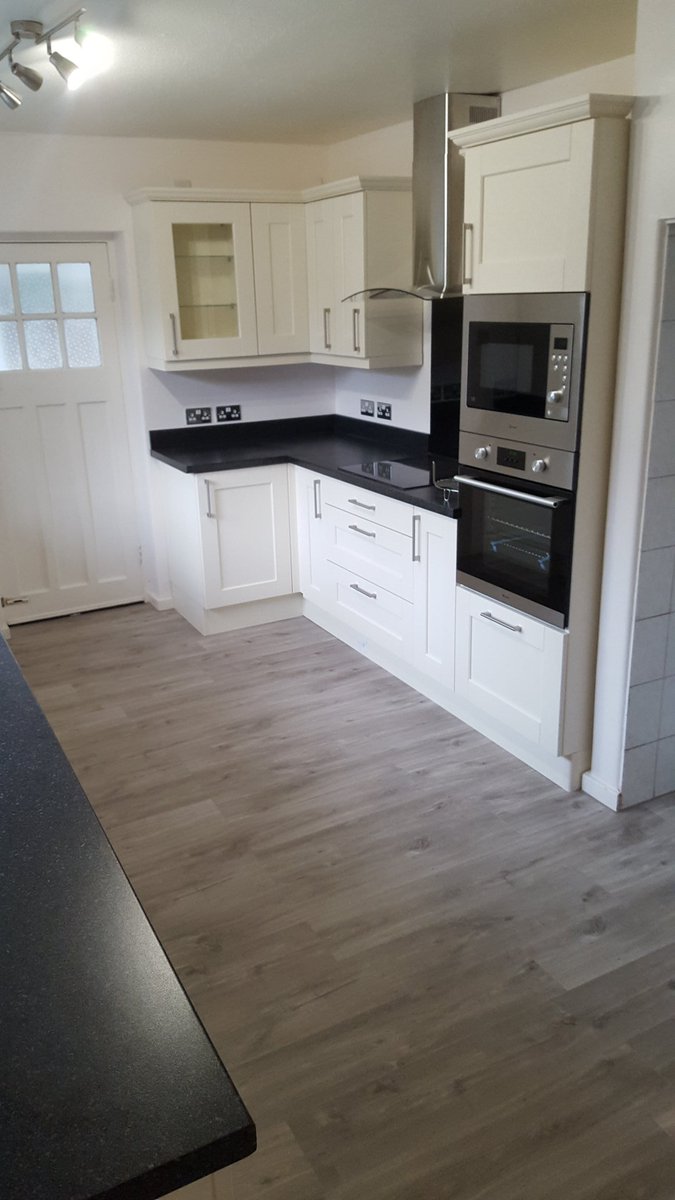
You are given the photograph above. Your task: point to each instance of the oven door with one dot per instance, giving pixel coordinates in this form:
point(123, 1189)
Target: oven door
point(515, 545)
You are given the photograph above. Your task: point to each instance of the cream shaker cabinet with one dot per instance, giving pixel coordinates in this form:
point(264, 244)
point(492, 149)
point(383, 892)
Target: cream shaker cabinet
point(544, 195)
point(357, 241)
point(221, 283)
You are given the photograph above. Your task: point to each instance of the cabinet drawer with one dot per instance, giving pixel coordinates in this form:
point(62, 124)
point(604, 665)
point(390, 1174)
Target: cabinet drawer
point(379, 554)
point(370, 610)
point(380, 509)
point(511, 667)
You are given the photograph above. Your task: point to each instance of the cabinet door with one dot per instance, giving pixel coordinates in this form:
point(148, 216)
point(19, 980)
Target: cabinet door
point(510, 667)
point(349, 234)
point(280, 265)
point(321, 261)
point(311, 541)
point(245, 535)
point(206, 263)
point(376, 553)
point(527, 210)
point(435, 559)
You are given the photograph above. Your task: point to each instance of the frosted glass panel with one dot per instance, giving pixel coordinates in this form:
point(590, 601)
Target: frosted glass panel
point(10, 351)
point(82, 345)
point(36, 294)
point(6, 297)
point(75, 286)
point(42, 345)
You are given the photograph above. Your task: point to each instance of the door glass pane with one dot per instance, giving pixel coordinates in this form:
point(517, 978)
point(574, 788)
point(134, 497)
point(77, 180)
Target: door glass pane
point(42, 345)
point(6, 297)
point(77, 293)
point(10, 350)
point(206, 281)
point(36, 294)
point(82, 346)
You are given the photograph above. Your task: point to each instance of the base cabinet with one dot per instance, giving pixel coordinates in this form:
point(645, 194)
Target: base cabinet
point(435, 558)
point(510, 667)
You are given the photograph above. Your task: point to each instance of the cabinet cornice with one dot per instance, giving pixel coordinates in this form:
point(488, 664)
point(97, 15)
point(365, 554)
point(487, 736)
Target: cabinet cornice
point(564, 112)
point(322, 191)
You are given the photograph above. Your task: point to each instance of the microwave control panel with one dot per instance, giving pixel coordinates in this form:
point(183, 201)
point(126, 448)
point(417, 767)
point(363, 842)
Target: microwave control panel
point(559, 368)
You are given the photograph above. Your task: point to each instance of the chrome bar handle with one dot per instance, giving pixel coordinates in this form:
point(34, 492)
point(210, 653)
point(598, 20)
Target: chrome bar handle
point(326, 328)
point(7, 601)
point(365, 532)
point(174, 335)
point(467, 274)
point(416, 545)
point(356, 330)
point(526, 497)
point(370, 507)
point(505, 625)
point(355, 588)
point(317, 499)
point(209, 510)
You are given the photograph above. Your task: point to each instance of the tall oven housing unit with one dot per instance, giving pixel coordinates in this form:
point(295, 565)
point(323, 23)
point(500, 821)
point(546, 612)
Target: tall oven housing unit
point(544, 222)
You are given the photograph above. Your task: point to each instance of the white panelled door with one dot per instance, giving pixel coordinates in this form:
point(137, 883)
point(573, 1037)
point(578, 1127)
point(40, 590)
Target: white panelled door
point(68, 534)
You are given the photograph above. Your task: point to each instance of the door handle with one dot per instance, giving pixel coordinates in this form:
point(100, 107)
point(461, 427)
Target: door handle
point(467, 259)
point(365, 532)
point(326, 328)
point(209, 510)
point(416, 546)
point(317, 499)
point(356, 330)
point(505, 625)
point(174, 335)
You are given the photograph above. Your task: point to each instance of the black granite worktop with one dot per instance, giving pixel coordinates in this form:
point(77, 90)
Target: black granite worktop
point(109, 1085)
point(324, 444)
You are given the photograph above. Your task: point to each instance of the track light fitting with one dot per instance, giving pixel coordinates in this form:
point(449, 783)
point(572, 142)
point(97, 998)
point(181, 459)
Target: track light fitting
point(96, 55)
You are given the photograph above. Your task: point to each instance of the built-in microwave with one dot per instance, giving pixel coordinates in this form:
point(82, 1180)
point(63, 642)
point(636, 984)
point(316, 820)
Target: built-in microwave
point(523, 367)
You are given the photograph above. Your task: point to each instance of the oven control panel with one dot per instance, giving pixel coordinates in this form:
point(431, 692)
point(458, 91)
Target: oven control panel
point(518, 460)
point(559, 369)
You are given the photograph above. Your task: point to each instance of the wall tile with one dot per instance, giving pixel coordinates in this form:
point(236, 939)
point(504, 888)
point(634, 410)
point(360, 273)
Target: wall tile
point(659, 527)
point(665, 767)
point(665, 369)
point(644, 713)
point(649, 649)
point(639, 768)
point(662, 453)
point(667, 723)
point(655, 582)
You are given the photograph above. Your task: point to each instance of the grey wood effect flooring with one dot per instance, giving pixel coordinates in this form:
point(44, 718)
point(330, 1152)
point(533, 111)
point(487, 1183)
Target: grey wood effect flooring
point(432, 974)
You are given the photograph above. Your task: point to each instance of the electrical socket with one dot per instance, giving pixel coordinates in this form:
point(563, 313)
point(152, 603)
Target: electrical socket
point(367, 408)
point(228, 412)
point(198, 416)
point(384, 412)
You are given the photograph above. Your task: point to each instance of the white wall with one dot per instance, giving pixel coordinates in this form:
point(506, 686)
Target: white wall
point(651, 201)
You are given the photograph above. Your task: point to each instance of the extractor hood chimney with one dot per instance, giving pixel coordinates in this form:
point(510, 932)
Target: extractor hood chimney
point(438, 189)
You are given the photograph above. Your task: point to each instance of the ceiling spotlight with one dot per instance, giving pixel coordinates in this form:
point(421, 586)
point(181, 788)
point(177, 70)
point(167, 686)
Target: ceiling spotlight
point(9, 97)
point(73, 75)
point(97, 51)
point(32, 79)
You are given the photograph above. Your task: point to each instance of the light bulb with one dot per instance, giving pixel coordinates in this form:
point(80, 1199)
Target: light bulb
point(97, 52)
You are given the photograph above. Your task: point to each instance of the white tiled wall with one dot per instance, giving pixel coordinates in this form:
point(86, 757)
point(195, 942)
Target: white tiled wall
point(649, 761)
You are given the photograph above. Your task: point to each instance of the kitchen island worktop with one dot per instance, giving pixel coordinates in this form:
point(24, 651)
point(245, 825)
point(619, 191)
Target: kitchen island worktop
point(110, 1086)
point(327, 445)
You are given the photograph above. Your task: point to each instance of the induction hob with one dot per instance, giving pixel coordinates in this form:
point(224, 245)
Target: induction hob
point(398, 474)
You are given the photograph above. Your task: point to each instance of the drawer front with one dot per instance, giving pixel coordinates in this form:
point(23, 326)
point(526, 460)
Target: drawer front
point(381, 555)
point(370, 610)
point(380, 509)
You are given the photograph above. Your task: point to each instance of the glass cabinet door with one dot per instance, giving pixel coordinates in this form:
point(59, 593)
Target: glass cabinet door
point(211, 305)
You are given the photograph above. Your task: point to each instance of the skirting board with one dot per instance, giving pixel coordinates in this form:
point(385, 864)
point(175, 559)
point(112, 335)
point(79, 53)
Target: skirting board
point(161, 603)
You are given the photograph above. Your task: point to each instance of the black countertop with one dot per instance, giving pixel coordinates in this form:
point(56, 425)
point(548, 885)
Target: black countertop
point(323, 444)
point(109, 1085)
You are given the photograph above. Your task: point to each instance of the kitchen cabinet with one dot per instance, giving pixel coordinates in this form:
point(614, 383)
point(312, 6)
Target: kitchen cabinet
point(355, 241)
point(228, 540)
point(510, 668)
point(310, 533)
point(544, 195)
point(222, 283)
point(434, 578)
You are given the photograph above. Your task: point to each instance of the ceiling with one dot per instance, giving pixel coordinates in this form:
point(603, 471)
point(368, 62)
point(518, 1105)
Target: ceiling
point(314, 71)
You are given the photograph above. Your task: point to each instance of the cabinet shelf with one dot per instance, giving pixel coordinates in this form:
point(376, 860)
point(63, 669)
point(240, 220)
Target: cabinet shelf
point(192, 257)
point(198, 307)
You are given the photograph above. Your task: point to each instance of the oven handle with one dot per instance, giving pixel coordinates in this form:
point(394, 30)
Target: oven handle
point(528, 497)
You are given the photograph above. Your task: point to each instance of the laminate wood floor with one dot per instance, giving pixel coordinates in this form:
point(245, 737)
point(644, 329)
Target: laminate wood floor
point(432, 974)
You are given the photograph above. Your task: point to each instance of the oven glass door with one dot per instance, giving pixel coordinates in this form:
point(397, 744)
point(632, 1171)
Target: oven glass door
point(508, 367)
point(519, 542)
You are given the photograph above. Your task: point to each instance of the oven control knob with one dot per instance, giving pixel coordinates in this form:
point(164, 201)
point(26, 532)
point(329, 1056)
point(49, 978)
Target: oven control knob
point(539, 465)
point(481, 452)
point(556, 396)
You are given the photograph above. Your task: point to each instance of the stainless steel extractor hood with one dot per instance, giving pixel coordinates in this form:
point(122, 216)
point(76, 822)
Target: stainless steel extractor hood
point(438, 193)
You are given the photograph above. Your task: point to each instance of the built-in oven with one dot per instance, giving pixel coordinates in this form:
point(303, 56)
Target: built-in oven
point(522, 367)
point(515, 535)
